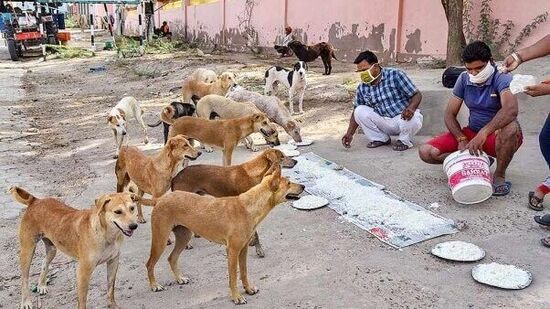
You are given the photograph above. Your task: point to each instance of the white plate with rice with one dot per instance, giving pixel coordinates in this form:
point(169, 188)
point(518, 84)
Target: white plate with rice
point(502, 276)
point(310, 202)
point(457, 250)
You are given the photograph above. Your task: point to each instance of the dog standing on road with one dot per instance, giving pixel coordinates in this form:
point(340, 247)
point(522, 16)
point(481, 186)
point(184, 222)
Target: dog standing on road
point(152, 174)
point(230, 221)
point(91, 236)
point(173, 111)
point(295, 81)
point(192, 88)
point(220, 181)
point(272, 107)
point(126, 108)
point(309, 53)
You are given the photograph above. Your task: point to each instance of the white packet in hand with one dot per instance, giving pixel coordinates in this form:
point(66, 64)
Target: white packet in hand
point(520, 82)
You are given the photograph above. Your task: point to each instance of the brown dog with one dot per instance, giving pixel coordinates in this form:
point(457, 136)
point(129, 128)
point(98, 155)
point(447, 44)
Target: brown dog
point(91, 236)
point(224, 181)
point(229, 221)
point(152, 174)
point(308, 53)
point(195, 88)
point(225, 133)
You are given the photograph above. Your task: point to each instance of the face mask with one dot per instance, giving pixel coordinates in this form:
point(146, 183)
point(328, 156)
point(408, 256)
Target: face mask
point(483, 75)
point(367, 77)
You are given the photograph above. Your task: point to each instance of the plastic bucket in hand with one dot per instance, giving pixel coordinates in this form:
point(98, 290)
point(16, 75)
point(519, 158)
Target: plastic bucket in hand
point(469, 177)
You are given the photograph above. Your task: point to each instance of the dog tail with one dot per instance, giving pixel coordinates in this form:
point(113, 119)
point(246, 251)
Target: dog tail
point(333, 55)
point(22, 196)
point(167, 114)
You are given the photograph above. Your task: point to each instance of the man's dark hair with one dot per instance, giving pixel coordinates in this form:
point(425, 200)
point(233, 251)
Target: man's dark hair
point(367, 55)
point(476, 51)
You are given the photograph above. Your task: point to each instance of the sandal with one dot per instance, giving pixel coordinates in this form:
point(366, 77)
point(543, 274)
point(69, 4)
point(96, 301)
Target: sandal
point(400, 146)
point(376, 144)
point(502, 189)
point(535, 203)
point(545, 242)
point(543, 220)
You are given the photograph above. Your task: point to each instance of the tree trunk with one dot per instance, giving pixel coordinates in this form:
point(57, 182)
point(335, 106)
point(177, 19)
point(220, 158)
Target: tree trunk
point(455, 36)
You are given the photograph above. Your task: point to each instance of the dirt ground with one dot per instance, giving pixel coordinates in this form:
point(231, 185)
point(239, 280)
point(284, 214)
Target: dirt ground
point(55, 141)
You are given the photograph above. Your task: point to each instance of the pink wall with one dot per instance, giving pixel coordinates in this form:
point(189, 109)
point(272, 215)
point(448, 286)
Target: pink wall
point(349, 25)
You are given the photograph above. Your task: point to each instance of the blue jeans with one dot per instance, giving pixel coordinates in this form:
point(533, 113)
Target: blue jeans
point(544, 140)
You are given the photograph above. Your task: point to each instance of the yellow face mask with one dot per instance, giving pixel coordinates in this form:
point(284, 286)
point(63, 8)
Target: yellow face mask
point(367, 77)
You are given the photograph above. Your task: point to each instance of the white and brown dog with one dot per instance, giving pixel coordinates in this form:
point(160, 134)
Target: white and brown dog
point(126, 108)
point(294, 80)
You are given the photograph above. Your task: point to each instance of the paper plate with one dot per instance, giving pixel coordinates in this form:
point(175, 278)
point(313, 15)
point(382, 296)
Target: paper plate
point(284, 147)
point(502, 276)
point(310, 202)
point(304, 142)
point(458, 251)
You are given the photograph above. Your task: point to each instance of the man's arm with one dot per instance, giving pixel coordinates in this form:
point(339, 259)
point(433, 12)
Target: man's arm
point(414, 102)
point(539, 49)
point(352, 127)
point(451, 113)
point(507, 114)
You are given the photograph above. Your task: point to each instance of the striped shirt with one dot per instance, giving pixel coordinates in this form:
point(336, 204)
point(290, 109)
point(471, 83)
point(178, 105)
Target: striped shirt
point(390, 96)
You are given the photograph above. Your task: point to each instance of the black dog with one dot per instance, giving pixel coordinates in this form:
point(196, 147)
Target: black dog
point(308, 53)
point(181, 109)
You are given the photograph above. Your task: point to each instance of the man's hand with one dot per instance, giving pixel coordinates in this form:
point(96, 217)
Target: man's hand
point(539, 89)
point(407, 113)
point(462, 145)
point(509, 64)
point(475, 146)
point(346, 140)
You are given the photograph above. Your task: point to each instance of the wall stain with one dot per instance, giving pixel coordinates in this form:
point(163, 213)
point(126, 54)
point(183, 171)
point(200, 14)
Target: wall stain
point(414, 44)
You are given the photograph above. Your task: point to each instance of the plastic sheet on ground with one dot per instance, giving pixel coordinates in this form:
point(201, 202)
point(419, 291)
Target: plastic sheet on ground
point(396, 222)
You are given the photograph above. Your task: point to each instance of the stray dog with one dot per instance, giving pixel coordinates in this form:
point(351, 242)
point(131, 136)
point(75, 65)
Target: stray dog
point(204, 75)
point(230, 221)
point(152, 174)
point(224, 133)
point(272, 107)
point(309, 53)
point(173, 111)
point(193, 88)
point(92, 237)
point(294, 80)
point(213, 106)
point(126, 108)
point(223, 181)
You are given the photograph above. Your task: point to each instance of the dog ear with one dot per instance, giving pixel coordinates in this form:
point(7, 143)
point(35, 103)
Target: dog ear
point(122, 113)
point(273, 155)
point(276, 179)
point(134, 197)
point(109, 119)
point(101, 201)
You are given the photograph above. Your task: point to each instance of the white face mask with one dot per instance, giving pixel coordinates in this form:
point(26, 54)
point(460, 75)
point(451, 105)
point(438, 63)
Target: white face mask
point(483, 75)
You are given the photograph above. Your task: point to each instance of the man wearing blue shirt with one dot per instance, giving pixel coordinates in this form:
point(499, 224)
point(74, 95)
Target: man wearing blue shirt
point(492, 125)
point(386, 104)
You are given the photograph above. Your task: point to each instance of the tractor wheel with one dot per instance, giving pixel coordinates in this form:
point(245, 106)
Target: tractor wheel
point(12, 48)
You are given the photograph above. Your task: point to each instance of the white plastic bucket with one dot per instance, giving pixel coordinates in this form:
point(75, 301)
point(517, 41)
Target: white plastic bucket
point(469, 177)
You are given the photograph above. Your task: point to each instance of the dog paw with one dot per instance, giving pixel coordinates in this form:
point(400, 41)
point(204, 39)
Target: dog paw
point(157, 288)
point(260, 252)
point(208, 149)
point(42, 289)
point(189, 247)
point(146, 141)
point(255, 148)
point(141, 220)
point(182, 280)
point(251, 290)
point(115, 157)
point(27, 304)
point(113, 306)
point(239, 299)
point(169, 242)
